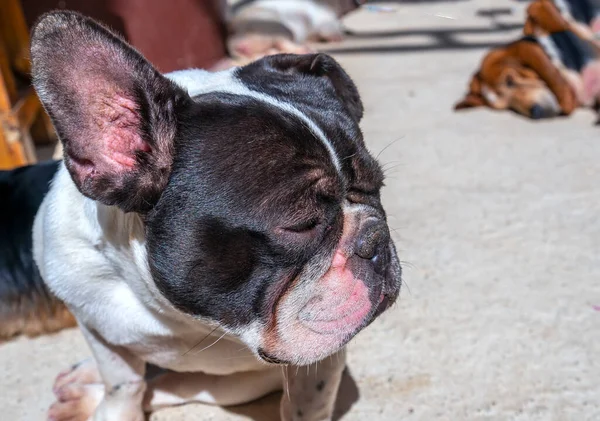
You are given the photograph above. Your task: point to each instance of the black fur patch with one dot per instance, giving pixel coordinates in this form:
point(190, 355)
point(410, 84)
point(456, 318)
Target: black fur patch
point(22, 290)
point(574, 52)
point(583, 11)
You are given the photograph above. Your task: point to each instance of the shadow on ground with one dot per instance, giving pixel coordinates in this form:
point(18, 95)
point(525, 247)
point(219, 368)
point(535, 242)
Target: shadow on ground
point(438, 38)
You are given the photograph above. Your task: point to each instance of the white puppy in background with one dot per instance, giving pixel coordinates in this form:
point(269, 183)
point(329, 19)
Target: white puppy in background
point(263, 27)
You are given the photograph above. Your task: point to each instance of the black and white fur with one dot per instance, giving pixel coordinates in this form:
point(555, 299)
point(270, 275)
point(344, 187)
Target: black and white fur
point(218, 226)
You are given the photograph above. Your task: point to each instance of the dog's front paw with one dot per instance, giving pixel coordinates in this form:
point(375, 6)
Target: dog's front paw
point(78, 392)
point(83, 372)
point(76, 402)
point(87, 402)
point(80, 396)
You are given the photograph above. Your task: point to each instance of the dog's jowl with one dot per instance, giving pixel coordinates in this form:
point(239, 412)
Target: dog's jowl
point(216, 225)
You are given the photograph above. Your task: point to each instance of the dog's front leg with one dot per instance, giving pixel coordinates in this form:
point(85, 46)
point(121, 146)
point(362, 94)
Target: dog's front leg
point(309, 393)
point(123, 377)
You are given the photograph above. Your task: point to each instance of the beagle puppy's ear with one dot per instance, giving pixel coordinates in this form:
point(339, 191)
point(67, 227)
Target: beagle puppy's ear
point(470, 101)
point(474, 97)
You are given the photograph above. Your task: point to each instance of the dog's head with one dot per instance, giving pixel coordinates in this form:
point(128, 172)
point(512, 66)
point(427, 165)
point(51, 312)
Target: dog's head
point(260, 200)
point(522, 78)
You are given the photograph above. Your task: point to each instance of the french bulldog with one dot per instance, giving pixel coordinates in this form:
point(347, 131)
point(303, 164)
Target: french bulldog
point(210, 232)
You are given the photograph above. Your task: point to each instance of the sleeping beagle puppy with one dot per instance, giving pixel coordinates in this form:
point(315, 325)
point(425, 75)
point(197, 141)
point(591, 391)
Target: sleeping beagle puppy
point(551, 70)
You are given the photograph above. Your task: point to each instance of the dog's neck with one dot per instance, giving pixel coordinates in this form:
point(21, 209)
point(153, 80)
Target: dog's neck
point(120, 237)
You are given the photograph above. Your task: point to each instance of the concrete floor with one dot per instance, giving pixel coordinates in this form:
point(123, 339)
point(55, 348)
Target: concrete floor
point(497, 220)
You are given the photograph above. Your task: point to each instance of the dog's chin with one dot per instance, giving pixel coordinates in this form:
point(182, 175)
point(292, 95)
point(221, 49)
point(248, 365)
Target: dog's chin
point(311, 329)
point(317, 334)
point(310, 342)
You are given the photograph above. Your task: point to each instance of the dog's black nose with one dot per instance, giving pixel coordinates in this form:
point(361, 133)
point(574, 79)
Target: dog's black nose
point(372, 243)
point(536, 112)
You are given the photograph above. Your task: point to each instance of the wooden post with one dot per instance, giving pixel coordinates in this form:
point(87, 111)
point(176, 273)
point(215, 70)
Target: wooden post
point(19, 106)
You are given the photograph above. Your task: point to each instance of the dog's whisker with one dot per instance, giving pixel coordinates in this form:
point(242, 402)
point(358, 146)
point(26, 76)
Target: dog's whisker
point(386, 171)
point(349, 156)
point(397, 161)
point(205, 348)
point(408, 264)
point(287, 383)
point(388, 145)
point(201, 340)
point(404, 283)
point(238, 357)
point(396, 229)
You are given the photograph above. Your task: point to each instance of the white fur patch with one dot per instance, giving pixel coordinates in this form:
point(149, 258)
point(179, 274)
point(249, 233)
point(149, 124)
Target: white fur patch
point(563, 7)
point(305, 19)
point(551, 49)
point(490, 96)
point(198, 82)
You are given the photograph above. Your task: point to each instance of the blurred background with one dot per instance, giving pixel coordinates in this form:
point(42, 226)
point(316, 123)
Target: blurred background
point(494, 212)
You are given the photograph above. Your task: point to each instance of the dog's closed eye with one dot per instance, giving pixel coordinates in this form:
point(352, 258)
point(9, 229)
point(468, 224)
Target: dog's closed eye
point(304, 227)
point(359, 195)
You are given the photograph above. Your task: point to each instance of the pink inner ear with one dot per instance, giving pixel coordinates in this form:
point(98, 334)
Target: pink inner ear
point(110, 136)
point(118, 123)
point(111, 129)
point(102, 117)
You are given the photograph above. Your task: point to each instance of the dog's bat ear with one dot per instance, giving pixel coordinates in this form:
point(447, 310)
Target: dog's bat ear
point(474, 97)
point(470, 101)
point(114, 113)
point(322, 66)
